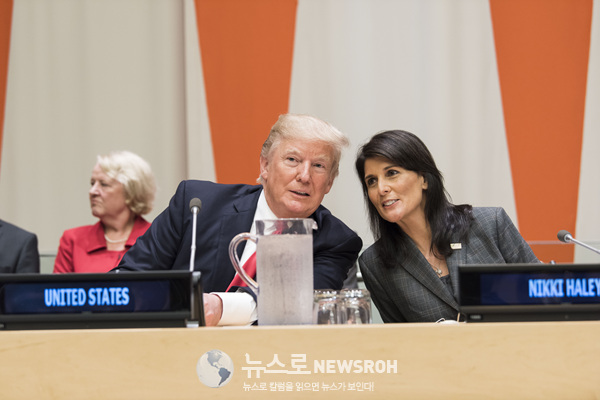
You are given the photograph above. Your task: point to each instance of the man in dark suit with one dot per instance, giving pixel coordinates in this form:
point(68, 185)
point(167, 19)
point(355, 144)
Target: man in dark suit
point(18, 250)
point(298, 164)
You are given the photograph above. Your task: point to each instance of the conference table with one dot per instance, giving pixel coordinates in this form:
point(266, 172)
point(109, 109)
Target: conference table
point(524, 360)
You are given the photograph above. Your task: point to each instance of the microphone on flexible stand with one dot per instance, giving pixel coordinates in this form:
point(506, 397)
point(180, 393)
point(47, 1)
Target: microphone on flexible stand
point(195, 206)
point(197, 309)
point(565, 236)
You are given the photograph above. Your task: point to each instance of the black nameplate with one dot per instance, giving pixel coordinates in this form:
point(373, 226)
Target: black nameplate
point(111, 300)
point(536, 292)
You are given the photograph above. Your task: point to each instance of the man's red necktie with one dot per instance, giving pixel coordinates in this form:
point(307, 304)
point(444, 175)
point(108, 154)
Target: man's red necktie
point(250, 268)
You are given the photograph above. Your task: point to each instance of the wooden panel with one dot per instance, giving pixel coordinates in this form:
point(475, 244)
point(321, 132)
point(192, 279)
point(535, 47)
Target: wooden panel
point(542, 360)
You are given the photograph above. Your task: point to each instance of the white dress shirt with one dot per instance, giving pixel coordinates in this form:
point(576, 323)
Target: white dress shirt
point(239, 308)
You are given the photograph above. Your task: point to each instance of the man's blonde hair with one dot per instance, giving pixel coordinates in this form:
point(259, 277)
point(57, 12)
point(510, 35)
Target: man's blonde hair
point(305, 127)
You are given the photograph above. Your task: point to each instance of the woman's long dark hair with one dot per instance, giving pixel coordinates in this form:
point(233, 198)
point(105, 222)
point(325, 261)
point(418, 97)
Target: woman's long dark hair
point(445, 219)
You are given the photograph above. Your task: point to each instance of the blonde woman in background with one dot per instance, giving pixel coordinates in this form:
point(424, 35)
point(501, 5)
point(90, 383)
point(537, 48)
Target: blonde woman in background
point(122, 190)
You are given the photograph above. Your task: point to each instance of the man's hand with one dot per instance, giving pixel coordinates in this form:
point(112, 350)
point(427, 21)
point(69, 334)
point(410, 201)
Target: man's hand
point(213, 309)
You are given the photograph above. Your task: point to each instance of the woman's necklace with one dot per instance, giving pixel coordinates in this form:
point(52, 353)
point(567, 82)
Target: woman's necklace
point(114, 241)
point(437, 269)
point(128, 228)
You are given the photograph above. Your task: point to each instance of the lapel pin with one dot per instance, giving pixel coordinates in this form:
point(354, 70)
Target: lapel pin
point(455, 246)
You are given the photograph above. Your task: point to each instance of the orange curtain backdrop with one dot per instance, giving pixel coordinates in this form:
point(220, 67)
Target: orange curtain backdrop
point(5, 26)
point(246, 49)
point(542, 48)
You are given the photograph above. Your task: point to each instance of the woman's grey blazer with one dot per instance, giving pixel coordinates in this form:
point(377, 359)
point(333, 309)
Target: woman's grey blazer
point(411, 291)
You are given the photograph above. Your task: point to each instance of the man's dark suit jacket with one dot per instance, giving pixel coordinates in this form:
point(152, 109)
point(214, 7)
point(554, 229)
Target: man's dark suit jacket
point(18, 250)
point(410, 291)
point(226, 211)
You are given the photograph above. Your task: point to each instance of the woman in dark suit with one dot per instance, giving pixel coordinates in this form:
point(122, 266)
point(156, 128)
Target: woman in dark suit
point(420, 236)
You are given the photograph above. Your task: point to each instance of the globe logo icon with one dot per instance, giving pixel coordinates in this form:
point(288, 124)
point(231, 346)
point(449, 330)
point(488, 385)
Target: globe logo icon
point(215, 368)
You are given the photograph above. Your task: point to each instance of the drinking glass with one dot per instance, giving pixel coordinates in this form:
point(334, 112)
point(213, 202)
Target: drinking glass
point(356, 306)
point(327, 307)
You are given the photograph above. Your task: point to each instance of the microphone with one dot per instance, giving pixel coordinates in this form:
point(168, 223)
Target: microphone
point(195, 206)
point(565, 236)
point(197, 304)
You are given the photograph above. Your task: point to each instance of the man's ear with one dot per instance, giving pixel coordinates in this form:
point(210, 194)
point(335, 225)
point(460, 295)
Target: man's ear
point(330, 185)
point(264, 168)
